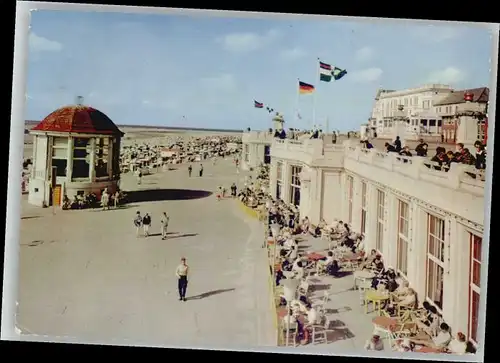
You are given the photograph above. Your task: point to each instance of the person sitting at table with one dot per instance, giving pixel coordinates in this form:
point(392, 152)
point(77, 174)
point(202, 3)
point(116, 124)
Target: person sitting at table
point(289, 243)
point(292, 253)
point(360, 245)
point(375, 343)
point(443, 338)
point(458, 345)
point(305, 225)
point(298, 270)
point(349, 242)
point(405, 345)
point(324, 262)
point(410, 301)
point(299, 306)
point(279, 277)
point(379, 275)
point(333, 269)
point(402, 289)
point(312, 318)
point(429, 323)
point(368, 260)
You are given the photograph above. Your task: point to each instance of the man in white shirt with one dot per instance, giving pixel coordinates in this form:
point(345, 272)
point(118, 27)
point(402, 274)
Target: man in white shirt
point(182, 278)
point(375, 343)
point(458, 345)
point(164, 225)
point(444, 337)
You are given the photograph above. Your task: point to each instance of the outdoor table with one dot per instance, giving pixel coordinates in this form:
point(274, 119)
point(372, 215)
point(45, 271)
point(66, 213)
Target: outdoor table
point(362, 276)
point(385, 323)
point(315, 256)
point(376, 298)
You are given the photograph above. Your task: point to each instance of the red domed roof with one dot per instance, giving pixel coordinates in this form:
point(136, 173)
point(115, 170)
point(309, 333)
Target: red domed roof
point(78, 119)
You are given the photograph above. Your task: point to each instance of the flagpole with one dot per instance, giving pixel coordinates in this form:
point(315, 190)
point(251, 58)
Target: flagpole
point(296, 112)
point(316, 91)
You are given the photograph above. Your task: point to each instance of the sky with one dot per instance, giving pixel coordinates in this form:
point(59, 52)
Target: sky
point(202, 71)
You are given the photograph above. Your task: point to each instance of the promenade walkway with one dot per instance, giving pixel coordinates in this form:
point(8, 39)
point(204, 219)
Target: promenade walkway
point(84, 274)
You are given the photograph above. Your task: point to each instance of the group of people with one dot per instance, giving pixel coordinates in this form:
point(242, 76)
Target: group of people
point(433, 331)
point(200, 170)
point(461, 155)
point(144, 223)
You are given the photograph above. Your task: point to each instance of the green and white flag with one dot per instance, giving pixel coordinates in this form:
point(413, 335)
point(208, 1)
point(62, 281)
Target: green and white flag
point(325, 72)
point(338, 73)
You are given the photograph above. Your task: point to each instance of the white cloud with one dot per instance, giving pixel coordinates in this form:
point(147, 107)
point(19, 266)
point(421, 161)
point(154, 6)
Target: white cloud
point(41, 44)
point(364, 54)
point(223, 82)
point(293, 53)
point(248, 42)
point(366, 75)
point(449, 75)
point(436, 33)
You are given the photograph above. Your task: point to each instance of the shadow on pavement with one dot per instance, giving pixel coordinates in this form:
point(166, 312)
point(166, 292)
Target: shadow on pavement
point(183, 235)
point(208, 294)
point(153, 195)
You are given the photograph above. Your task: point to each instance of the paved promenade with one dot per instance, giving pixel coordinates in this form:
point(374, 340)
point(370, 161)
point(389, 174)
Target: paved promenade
point(85, 274)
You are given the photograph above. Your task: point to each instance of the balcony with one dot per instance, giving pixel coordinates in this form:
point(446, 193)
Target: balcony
point(312, 152)
point(257, 137)
point(458, 188)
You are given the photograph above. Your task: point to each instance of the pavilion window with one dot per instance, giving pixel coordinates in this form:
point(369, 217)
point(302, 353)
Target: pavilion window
point(81, 153)
point(101, 159)
point(60, 155)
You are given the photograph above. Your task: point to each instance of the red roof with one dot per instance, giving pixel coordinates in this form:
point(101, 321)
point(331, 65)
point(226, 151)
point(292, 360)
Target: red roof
point(456, 97)
point(78, 119)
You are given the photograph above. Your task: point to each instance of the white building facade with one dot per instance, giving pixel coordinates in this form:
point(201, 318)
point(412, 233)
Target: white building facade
point(256, 148)
point(428, 224)
point(418, 109)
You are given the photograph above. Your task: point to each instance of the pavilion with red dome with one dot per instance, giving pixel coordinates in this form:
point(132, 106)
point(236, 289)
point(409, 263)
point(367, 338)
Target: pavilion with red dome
point(76, 151)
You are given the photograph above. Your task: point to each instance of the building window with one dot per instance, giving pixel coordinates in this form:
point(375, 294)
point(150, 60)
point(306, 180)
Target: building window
point(267, 154)
point(295, 185)
point(101, 158)
point(246, 151)
point(481, 130)
point(435, 260)
point(279, 179)
point(380, 219)
point(403, 233)
point(363, 207)
point(350, 192)
point(60, 155)
point(81, 152)
point(474, 285)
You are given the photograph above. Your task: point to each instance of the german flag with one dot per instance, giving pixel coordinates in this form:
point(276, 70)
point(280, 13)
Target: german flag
point(258, 104)
point(305, 88)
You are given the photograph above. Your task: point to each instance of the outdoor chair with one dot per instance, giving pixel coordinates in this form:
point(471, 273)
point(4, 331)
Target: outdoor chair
point(325, 235)
point(319, 332)
point(303, 287)
point(320, 307)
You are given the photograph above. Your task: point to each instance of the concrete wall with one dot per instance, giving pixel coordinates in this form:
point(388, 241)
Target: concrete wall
point(255, 141)
point(451, 196)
